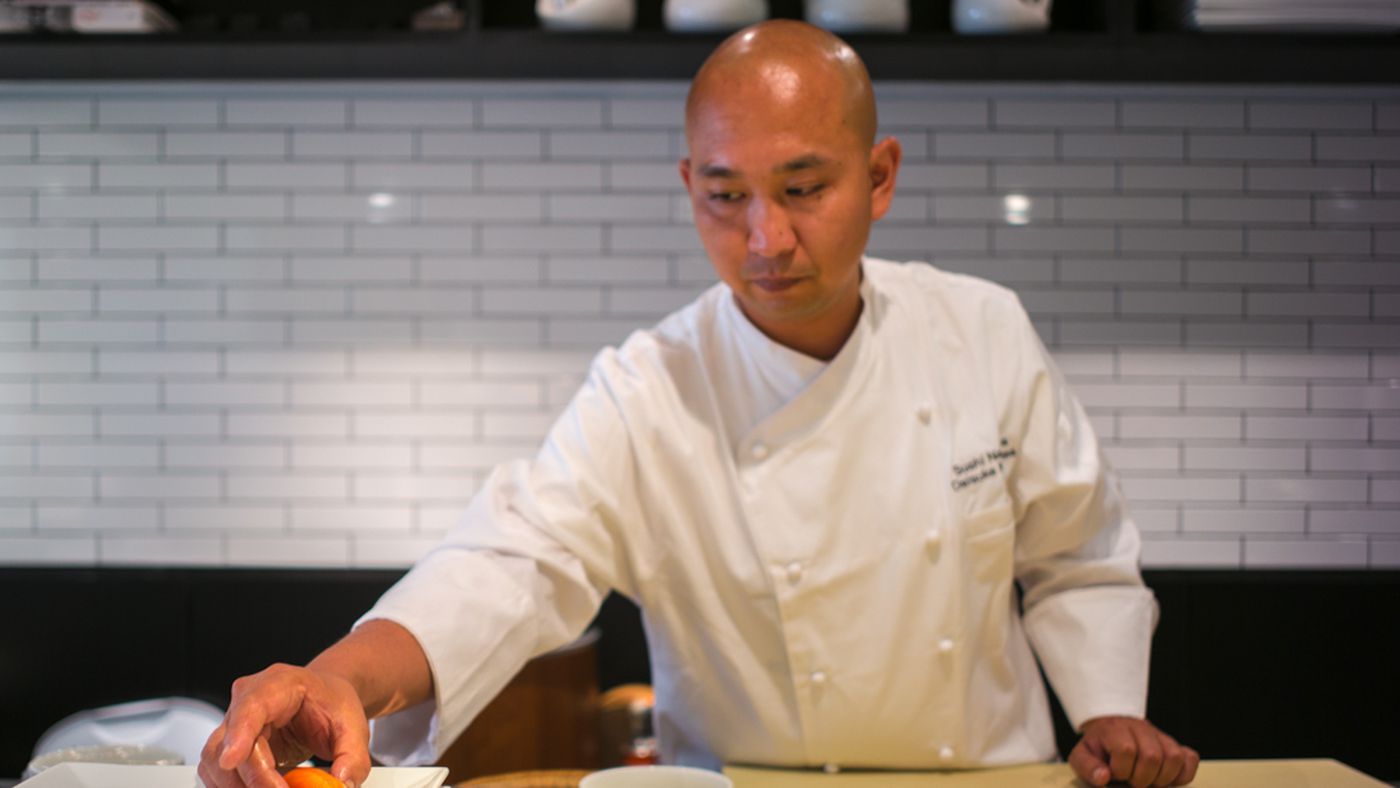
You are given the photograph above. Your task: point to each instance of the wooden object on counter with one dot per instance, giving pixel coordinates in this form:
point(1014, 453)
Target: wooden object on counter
point(547, 778)
point(625, 734)
point(1322, 773)
point(545, 718)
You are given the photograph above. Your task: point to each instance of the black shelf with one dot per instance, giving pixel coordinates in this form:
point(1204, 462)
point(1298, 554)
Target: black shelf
point(1088, 41)
point(656, 55)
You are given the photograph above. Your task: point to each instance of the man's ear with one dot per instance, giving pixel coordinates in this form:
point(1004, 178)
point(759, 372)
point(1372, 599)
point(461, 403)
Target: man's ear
point(685, 173)
point(884, 167)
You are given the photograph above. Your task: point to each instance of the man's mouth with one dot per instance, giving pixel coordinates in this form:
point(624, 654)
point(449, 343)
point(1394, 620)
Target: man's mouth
point(775, 284)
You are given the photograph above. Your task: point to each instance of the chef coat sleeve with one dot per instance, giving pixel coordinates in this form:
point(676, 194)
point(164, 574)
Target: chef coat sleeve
point(522, 572)
point(1086, 611)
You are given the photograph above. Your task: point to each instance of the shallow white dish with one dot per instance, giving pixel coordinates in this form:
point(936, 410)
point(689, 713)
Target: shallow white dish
point(656, 777)
point(102, 775)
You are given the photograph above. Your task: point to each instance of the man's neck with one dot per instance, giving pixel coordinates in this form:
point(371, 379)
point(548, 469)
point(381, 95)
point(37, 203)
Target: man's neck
point(822, 337)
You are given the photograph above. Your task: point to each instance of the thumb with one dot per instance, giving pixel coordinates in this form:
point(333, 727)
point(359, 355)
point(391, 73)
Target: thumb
point(350, 769)
point(1089, 763)
point(351, 763)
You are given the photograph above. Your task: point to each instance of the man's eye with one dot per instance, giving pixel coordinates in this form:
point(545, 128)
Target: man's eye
point(805, 191)
point(725, 196)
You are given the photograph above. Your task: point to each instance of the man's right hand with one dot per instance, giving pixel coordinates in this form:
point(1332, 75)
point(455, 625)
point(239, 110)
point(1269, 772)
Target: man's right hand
point(281, 716)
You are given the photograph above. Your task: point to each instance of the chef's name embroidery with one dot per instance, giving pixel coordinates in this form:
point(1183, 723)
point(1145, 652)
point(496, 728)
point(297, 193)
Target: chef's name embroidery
point(981, 467)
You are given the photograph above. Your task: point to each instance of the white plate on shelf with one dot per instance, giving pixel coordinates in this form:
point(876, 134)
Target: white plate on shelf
point(102, 775)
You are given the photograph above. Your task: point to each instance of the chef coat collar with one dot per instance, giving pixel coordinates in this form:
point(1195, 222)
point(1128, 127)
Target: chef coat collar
point(839, 378)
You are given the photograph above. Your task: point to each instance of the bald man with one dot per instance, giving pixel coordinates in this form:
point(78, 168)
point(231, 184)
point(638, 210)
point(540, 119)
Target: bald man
point(821, 481)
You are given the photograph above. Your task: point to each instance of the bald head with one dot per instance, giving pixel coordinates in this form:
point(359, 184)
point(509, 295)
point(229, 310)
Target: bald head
point(783, 65)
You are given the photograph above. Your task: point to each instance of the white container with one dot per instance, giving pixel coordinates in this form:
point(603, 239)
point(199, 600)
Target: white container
point(713, 16)
point(179, 724)
point(120, 17)
point(115, 754)
point(579, 16)
point(979, 17)
point(14, 20)
point(859, 16)
point(656, 777)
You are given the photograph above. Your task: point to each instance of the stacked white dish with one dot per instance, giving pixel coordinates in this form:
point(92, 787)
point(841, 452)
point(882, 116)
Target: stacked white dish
point(859, 16)
point(85, 16)
point(713, 16)
point(1000, 17)
point(1378, 16)
point(587, 15)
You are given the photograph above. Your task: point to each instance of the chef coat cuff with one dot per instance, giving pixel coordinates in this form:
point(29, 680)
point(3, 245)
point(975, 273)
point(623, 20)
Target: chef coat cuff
point(1095, 645)
point(407, 737)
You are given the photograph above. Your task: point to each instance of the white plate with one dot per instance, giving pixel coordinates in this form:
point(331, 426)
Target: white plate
point(102, 775)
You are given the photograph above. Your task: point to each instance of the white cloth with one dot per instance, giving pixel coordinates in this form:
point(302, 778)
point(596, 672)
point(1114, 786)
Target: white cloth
point(836, 586)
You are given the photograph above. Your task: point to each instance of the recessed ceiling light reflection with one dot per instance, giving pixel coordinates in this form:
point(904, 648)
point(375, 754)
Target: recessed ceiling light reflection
point(1017, 209)
point(381, 200)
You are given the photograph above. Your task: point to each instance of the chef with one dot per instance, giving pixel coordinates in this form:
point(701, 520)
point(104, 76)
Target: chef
point(854, 499)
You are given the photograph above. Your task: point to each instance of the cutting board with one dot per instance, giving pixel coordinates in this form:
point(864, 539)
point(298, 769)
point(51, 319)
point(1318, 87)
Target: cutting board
point(1212, 774)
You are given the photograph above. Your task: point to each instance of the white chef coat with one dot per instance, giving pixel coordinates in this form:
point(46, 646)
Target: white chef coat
point(836, 584)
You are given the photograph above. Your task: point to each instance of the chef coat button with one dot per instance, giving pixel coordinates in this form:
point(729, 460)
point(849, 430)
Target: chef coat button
point(794, 573)
point(946, 752)
point(758, 451)
point(831, 768)
point(818, 678)
point(945, 646)
point(933, 540)
point(924, 412)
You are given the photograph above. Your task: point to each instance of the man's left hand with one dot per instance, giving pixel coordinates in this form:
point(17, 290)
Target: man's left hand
point(1133, 751)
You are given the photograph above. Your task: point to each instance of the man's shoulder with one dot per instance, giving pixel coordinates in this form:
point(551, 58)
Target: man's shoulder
point(936, 292)
point(680, 332)
point(658, 354)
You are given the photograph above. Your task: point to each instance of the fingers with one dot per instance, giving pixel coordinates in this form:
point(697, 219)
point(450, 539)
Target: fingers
point(260, 769)
point(1132, 751)
point(1147, 761)
point(1178, 764)
point(244, 722)
point(1191, 762)
point(288, 713)
point(238, 754)
point(1088, 764)
point(210, 778)
point(1173, 762)
point(209, 772)
point(1120, 746)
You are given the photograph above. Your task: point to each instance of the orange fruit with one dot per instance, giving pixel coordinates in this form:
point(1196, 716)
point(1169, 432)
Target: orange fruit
point(307, 777)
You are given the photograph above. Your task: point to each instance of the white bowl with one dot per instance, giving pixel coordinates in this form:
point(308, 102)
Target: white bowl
point(713, 16)
point(587, 15)
point(859, 16)
point(982, 17)
point(656, 777)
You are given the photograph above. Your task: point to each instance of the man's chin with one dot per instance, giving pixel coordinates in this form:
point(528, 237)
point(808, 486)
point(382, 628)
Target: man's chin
point(782, 306)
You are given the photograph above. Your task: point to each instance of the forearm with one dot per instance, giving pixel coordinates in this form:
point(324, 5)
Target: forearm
point(384, 663)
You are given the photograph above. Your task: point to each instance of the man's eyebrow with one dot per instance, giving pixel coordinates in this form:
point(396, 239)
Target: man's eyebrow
point(716, 171)
point(807, 162)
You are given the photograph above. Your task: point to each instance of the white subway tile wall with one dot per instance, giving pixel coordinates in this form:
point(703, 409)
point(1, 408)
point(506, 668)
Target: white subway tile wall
point(271, 325)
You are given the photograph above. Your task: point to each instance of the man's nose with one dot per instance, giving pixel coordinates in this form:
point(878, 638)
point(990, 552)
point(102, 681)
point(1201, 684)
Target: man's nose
point(770, 231)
